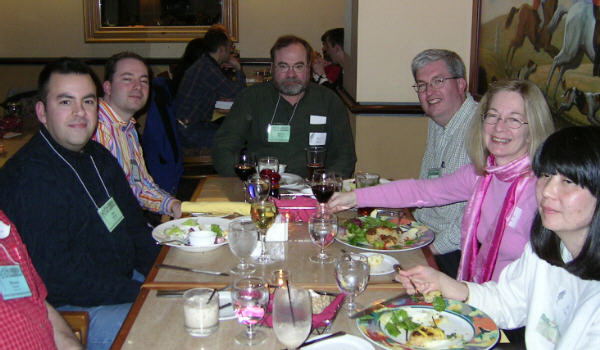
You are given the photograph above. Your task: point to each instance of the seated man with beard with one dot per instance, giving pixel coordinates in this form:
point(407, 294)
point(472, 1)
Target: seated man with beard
point(283, 117)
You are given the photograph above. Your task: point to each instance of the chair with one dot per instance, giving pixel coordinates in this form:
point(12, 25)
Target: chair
point(79, 322)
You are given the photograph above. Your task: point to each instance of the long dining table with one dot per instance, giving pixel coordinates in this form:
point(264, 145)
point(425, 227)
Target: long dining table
point(157, 322)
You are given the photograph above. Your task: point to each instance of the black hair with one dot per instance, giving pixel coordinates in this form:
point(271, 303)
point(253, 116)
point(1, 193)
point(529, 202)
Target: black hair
point(334, 37)
point(111, 64)
point(215, 38)
point(64, 65)
point(575, 154)
point(194, 49)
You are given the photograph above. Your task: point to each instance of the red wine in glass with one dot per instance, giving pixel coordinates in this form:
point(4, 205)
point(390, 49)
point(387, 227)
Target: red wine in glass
point(244, 171)
point(323, 192)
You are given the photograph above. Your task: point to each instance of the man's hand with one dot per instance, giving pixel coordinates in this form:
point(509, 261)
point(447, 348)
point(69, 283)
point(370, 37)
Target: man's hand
point(342, 201)
point(175, 209)
point(233, 63)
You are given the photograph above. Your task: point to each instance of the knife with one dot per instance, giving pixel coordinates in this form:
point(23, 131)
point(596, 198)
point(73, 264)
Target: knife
point(333, 335)
point(215, 273)
point(376, 306)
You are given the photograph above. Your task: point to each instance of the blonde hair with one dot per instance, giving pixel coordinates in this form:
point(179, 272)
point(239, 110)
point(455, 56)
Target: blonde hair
point(536, 110)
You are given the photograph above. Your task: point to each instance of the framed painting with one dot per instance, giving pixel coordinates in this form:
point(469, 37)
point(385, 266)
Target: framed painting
point(553, 43)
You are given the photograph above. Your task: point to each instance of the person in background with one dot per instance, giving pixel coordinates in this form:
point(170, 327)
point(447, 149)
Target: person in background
point(328, 70)
point(83, 228)
point(554, 287)
point(126, 86)
point(514, 119)
point(28, 321)
point(194, 49)
point(203, 84)
point(283, 117)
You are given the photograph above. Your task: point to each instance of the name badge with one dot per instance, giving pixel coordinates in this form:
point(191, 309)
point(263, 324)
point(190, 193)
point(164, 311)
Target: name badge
point(4, 230)
point(318, 120)
point(13, 284)
point(110, 214)
point(317, 138)
point(278, 133)
point(434, 173)
point(135, 171)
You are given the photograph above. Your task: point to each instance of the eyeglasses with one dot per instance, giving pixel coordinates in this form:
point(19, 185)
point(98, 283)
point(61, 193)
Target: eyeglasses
point(493, 119)
point(284, 68)
point(435, 83)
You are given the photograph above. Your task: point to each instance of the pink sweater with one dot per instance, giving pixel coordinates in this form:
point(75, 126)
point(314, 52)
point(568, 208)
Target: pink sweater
point(458, 187)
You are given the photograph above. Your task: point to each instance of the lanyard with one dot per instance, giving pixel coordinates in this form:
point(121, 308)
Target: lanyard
point(277, 105)
point(77, 175)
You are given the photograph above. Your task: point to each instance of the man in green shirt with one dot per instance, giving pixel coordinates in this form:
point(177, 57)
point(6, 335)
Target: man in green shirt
point(283, 117)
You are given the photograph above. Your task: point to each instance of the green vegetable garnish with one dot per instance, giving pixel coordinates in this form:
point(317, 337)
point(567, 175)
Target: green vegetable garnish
point(356, 229)
point(216, 229)
point(400, 320)
point(439, 303)
point(174, 231)
point(190, 222)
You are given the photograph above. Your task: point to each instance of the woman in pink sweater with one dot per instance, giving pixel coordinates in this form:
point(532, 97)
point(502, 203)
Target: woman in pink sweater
point(512, 120)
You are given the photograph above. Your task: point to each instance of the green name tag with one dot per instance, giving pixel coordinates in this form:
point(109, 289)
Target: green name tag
point(278, 133)
point(434, 173)
point(111, 214)
point(12, 283)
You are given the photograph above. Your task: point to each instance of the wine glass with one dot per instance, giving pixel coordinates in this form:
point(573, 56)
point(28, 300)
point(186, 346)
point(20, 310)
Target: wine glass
point(257, 189)
point(263, 214)
point(243, 238)
point(245, 166)
point(268, 162)
point(322, 228)
point(250, 297)
point(352, 276)
point(323, 187)
point(292, 316)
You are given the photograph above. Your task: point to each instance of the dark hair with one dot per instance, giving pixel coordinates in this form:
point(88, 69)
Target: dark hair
point(64, 65)
point(334, 37)
point(574, 153)
point(215, 38)
point(194, 49)
point(111, 64)
point(287, 40)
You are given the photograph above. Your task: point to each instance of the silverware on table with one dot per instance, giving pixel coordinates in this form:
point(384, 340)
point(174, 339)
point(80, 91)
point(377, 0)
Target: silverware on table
point(376, 306)
point(173, 241)
point(333, 335)
point(214, 273)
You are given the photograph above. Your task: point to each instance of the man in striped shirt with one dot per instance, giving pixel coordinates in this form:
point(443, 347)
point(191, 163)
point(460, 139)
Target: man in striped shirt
point(126, 88)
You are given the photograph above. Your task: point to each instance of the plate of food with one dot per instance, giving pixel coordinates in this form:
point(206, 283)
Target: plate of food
point(177, 232)
point(413, 323)
point(380, 264)
point(376, 235)
point(346, 342)
point(292, 182)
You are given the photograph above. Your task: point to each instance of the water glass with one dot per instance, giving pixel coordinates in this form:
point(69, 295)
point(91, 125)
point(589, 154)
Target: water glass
point(268, 162)
point(352, 277)
point(250, 297)
point(243, 238)
point(201, 316)
point(257, 189)
point(292, 316)
point(322, 228)
point(366, 180)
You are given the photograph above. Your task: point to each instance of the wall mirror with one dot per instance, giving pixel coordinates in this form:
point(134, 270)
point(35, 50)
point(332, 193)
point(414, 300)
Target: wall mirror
point(157, 20)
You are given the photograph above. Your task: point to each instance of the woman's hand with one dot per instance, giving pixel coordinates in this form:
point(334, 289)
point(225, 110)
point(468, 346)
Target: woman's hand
point(342, 201)
point(426, 279)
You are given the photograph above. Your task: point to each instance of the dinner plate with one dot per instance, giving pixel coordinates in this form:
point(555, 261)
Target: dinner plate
point(159, 232)
point(477, 329)
point(225, 313)
point(387, 266)
point(291, 182)
point(424, 240)
point(346, 342)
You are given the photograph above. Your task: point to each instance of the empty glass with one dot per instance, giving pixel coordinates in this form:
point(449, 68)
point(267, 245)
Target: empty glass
point(292, 316)
point(243, 238)
point(352, 277)
point(315, 159)
point(322, 228)
point(250, 297)
point(257, 189)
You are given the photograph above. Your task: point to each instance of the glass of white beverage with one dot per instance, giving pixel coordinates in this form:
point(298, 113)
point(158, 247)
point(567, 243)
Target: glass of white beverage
point(243, 239)
point(292, 316)
point(201, 315)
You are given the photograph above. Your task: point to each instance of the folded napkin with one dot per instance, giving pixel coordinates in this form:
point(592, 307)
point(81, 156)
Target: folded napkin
point(216, 207)
point(279, 230)
point(296, 215)
point(318, 320)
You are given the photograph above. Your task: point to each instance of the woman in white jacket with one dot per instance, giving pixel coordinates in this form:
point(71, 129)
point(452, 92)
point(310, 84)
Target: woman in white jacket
point(554, 287)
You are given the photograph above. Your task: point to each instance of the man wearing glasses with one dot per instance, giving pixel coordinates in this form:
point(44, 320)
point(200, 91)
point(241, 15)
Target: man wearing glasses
point(283, 117)
point(442, 89)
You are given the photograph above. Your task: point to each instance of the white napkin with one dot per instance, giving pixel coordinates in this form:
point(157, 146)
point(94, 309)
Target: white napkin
point(278, 232)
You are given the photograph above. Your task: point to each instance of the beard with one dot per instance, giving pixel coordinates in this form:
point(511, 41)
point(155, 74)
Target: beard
point(291, 86)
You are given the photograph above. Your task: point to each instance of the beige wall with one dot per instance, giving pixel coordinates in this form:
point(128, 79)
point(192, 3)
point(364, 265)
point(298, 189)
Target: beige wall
point(38, 28)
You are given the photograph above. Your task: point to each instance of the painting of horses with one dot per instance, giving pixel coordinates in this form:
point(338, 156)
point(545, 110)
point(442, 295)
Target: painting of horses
point(553, 43)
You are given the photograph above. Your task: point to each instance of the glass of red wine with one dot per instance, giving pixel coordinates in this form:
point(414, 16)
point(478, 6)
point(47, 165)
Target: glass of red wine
point(245, 167)
point(323, 186)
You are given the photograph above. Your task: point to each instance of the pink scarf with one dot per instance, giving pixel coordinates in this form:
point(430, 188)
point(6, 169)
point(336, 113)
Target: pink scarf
point(478, 265)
